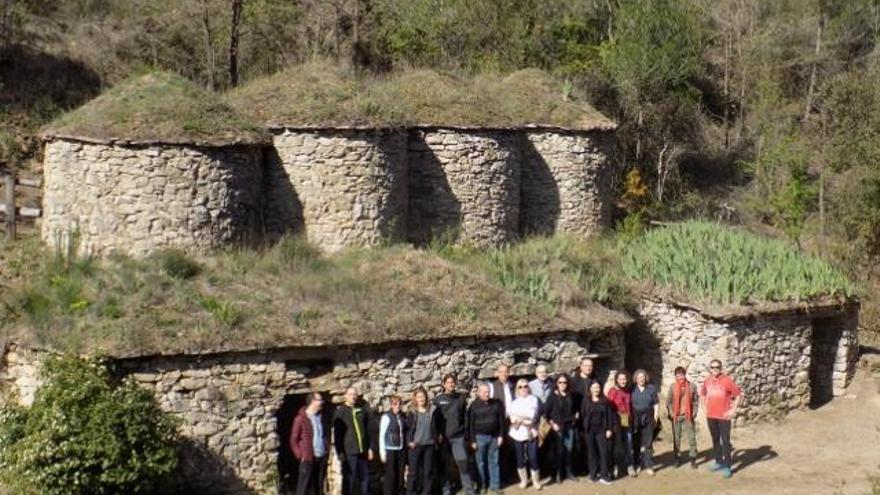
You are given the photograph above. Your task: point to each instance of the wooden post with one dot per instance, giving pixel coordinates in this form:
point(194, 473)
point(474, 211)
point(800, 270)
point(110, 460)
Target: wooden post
point(9, 182)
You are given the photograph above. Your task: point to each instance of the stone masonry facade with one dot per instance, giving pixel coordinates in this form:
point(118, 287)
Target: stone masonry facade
point(566, 182)
point(782, 361)
point(135, 199)
point(464, 184)
point(229, 403)
point(341, 187)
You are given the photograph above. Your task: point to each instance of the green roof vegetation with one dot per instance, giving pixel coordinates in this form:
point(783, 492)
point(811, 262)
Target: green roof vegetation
point(321, 94)
point(705, 262)
point(290, 295)
point(158, 107)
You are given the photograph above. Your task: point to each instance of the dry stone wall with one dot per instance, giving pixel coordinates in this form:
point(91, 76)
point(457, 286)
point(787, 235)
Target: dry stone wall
point(342, 187)
point(464, 183)
point(771, 356)
point(137, 199)
point(229, 404)
point(565, 182)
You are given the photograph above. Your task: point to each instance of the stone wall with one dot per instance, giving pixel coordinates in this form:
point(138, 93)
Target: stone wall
point(771, 356)
point(229, 403)
point(464, 183)
point(342, 187)
point(136, 199)
point(565, 182)
point(19, 375)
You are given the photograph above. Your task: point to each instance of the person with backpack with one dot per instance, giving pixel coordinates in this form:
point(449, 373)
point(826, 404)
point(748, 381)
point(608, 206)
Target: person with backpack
point(452, 448)
point(720, 396)
point(392, 447)
point(597, 418)
point(682, 403)
point(309, 445)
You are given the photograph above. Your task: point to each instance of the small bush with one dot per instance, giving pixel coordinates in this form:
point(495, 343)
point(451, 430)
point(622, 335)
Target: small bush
point(86, 435)
point(177, 264)
point(223, 311)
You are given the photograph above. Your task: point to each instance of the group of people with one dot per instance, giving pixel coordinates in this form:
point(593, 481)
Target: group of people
point(548, 424)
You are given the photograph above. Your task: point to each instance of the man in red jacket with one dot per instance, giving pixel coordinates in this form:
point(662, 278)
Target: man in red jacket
point(309, 445)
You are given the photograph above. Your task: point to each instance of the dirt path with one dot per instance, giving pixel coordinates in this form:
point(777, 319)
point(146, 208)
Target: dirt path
point(805, 454)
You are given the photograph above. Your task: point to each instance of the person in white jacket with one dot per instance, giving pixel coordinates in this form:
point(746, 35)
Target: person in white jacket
point(524, 415)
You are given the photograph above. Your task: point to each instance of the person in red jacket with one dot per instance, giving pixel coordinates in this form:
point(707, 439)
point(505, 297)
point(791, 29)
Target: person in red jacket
point(720, 398)
point(308, 442)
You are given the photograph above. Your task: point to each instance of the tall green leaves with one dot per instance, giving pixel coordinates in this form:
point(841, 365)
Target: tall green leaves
point(86, 436)
point(707, 262)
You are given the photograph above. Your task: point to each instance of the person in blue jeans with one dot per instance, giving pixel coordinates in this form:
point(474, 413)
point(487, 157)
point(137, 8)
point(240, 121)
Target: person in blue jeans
point(485, 430)
point(352, 443)
point(562, 415)
point(646, 415)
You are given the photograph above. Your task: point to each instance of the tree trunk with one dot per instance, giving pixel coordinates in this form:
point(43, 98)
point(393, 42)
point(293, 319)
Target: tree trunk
point(727, 52)
point(6, 8)
point(662, 171)
point(812, 86)
point(234, 34)
point(210, 55)
point(639, 120)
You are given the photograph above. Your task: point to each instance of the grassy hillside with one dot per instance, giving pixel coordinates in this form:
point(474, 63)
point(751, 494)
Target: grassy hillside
point(291, 295)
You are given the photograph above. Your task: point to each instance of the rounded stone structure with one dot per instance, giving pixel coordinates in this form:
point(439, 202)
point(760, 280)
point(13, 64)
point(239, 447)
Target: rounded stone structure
point(116, 196)
point(464, 183)
point(343, 187)
point(565, 182)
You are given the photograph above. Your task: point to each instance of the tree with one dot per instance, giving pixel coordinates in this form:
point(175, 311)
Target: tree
point(85, 435)
point(234, 37)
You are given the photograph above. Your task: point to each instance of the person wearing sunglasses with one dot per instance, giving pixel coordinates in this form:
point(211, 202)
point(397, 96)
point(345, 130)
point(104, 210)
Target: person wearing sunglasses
point(309, 445)
point(562, 414)
point(720, 397)
point(523, 415)
point(620, 397)
point(597, 418)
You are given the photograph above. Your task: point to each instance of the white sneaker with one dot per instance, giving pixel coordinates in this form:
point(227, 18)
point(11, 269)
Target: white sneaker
point(604, 481)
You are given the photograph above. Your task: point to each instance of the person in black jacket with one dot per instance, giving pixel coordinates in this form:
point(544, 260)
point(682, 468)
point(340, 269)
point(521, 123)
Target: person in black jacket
point(421, 435)
point(598, 422)
point(452, 443)
point(350, 435)
point(392, 446)
point(485, 431)
point(581, 380)
point(562, 414)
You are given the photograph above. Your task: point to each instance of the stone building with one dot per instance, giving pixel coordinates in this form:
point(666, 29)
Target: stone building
point(237, 407)
point(783, 356)
point(136, 177)
point(340, 186)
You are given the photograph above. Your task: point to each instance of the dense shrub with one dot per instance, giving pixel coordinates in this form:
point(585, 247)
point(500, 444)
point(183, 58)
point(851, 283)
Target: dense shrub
point(86, 435)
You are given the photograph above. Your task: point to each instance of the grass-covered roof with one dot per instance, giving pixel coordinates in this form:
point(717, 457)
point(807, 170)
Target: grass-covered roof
point(324, 95)
point(158, 107)
point(703, 262)
point(290, 295)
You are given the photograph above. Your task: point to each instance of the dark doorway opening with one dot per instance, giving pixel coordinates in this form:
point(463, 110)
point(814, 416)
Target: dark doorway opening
point(827, 333)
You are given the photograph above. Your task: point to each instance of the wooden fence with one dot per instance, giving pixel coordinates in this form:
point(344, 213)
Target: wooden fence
point(10, 213)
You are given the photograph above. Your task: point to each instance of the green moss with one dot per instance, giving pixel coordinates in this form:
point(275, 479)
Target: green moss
point(158, 106)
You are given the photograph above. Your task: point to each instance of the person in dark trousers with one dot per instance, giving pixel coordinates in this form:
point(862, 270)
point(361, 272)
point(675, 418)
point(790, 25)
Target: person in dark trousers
point(682, 403)
point(392, 447)
point(452, 448)
point(502, 391)
point(720, 396)
point(350, 437)
point(620, 397)
point(581, 380)
point(485, 428)
point(562, 416)
point(597, 418)
point(646, 415)
point(421, 436)
point(525, 412)
point(309, 445)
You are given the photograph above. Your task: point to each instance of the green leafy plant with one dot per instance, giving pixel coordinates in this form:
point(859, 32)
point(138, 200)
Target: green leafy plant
point(223, 311)
point(177, 264)
point(86, 434)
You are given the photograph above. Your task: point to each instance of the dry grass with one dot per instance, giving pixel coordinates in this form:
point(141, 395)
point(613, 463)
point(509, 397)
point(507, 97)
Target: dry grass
point(158, 106)
point(322, 94)
point(286, 295)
